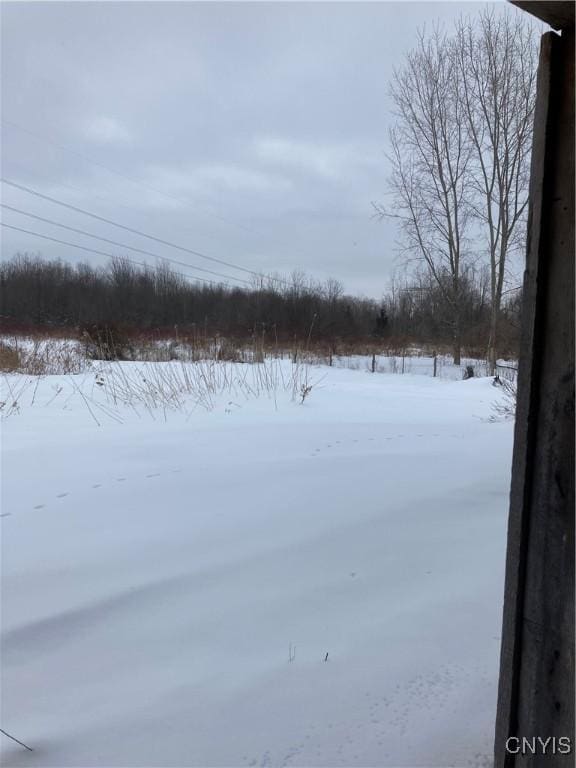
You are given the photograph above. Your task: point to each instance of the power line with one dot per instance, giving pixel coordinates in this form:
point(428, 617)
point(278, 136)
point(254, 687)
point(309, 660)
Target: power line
point(74, 188)
point(193, 278)
point(120, 245)
point(102, 253)
point(120, 174)
point(136, 231)
point(167, 195)
point(128, 208)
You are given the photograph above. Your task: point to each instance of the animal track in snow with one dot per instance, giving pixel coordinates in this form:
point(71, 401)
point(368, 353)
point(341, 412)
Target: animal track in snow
point(64, 494)
point(93, 486)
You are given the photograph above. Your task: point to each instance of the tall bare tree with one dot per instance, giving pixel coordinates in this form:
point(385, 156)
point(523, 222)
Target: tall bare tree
point(497, 58)
point(460, 153)
point(430, 155)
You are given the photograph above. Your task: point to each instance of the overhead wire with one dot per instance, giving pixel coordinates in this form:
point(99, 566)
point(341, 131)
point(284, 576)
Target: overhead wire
point(104, 253)
point(120, 245)
point(74, 188)
point(168, 243)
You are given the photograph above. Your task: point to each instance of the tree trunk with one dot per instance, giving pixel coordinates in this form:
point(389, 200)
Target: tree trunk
point(492, 353)
point(457, 352)
point(457, 337)
point(457, 345)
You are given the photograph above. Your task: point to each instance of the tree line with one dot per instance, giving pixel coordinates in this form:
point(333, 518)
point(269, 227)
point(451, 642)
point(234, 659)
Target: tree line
point(38, 294)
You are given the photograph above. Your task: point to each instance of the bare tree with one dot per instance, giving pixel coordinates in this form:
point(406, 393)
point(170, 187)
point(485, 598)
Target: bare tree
point(430, 155)
point(332, 290)
point(497, 57)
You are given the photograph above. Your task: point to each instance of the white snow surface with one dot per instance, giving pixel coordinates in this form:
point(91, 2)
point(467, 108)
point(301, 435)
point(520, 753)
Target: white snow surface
point(155, 574)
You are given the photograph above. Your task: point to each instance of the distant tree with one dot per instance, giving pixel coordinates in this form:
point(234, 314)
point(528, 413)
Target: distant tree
point(381, 323)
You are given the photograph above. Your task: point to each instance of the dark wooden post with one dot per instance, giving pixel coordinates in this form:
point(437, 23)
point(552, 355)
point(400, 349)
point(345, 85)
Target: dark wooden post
point(536, 690)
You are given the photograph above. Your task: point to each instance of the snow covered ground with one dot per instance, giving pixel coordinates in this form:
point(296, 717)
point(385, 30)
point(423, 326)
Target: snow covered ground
point(158, 574)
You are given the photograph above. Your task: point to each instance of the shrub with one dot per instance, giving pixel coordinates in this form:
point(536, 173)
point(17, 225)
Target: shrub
point(9, 358)
point(506, 408)
point(227, 351)
point(105, 342)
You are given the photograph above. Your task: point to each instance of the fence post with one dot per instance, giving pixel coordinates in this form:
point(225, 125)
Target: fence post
point(435, 362)
point(373, 362)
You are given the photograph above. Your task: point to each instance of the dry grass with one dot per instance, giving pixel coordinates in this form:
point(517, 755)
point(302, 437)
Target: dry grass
point(109, 388)
point(176, 385)
point(41, 356)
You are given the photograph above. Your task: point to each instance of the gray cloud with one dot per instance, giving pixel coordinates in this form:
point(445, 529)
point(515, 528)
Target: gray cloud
point(257, 130)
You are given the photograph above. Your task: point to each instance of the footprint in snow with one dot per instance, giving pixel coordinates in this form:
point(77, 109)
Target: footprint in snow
point(155, 474)
point(120, 479)
point(62, 495)
point(39, 506)
point(6, 514)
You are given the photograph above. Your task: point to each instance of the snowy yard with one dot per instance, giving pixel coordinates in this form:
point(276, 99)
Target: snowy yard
point(259, 584)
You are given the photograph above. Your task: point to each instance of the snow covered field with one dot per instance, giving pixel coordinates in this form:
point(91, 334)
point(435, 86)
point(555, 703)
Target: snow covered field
point(260, 584)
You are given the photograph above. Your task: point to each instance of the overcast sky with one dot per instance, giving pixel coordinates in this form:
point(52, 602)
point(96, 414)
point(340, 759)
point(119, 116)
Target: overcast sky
point(253, 132)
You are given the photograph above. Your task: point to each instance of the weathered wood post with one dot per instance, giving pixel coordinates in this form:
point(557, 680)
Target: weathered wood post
point(435, 362)
point(536, 687)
